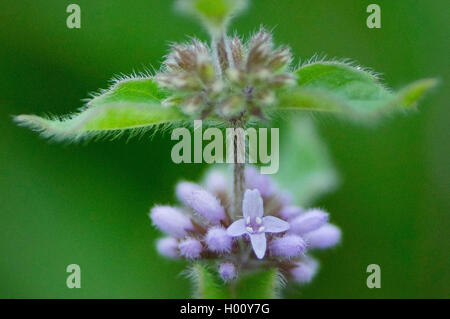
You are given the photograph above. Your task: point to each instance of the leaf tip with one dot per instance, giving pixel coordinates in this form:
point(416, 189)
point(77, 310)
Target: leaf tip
point(33, 122)
point(412, 93)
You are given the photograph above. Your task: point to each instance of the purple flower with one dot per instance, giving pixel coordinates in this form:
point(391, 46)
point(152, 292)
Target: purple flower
point(167, 247)
point(216, 183)
point(308, 221)
point(287, 246)
point(290, 212)
point(184, 191)
point(190, 248)
point(206, 205)
point(326, 236)
point(171, 221)
point(262, 183)
point(254, 224)
point(218, 240)
point(227, 271)
point(304, 270)
point(202, 228)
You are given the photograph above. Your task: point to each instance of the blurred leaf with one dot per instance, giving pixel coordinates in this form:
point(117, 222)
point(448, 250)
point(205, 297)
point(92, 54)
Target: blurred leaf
point(205, 283)
point(304, 156)
point(133, 103)
point(259, 285)
point(409, 95)
point(215, 10)
point(215, 13)
point(339, 87)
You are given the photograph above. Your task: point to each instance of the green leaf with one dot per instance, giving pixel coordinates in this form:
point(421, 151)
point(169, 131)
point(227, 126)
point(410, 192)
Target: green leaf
point(214, 13)
point(299, 98)
point(215, 10)
point(409, 95)
point(303, 154)
point(206, 285)
point(339, 87)
point(130, 104)
point(258, 285)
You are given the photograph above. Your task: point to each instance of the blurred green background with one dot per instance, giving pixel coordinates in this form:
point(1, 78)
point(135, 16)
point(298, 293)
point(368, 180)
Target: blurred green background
point(88, 204)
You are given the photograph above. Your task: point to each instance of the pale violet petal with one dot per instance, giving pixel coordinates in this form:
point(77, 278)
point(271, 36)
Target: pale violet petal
point(255, 180)
point(207, 205)
point(305, 270)
point(259, 244)
point(237, 228)
point(252, 205)
point(325, 237)
point(308, 221)
point(274, 225)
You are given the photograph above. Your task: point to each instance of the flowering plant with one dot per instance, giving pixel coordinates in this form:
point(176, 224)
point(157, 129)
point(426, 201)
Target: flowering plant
point(272, 233)
point(252, 231)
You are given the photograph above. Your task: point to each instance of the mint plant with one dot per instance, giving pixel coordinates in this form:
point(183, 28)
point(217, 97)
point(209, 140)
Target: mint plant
point(247, 229)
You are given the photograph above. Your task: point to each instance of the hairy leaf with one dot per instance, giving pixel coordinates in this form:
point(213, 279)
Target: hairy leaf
point(258, 285)
point(205, 283)
point(339, 87)
point(129, 104)
point(303, 154)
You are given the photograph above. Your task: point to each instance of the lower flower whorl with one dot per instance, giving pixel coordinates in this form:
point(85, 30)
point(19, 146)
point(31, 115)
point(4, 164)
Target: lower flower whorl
point(272, 232)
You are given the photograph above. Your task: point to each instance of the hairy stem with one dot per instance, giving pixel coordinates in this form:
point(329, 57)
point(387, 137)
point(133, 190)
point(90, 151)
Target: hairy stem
point(238, 169)
point(238, 189)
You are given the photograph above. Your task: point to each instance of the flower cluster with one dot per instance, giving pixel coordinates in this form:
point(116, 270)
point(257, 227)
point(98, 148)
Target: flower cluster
point(270, 233)
point(229, 80)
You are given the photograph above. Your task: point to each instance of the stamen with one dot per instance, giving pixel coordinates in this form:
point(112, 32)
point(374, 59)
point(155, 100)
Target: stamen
point(261, 229)
point(258, 220)
point(249, 229)
point(248, 220)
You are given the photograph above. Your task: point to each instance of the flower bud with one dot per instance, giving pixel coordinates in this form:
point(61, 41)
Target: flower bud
point(262, 183)
point(185, 55)
point(232, 105)
point(237, 51)
point(216, 183)
point(206, 205)
point(289, 212)
point(193, 104)
point(259, 50)
point(222, 53)
point(190, 248)
point(171, 221)
point(227, 271)
point(236, 77)
point(217, 87)
point(265, 97)
point(308, 221)
point(304, 270)
point(280, 80)
point(326, 236)
point(261, 76)
point(167, 247)
point(177, 81)
point(280, 59)
point(284, 197)
point(287, 246)
point(205, 68)
point(185, 189)
point(218, 240)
